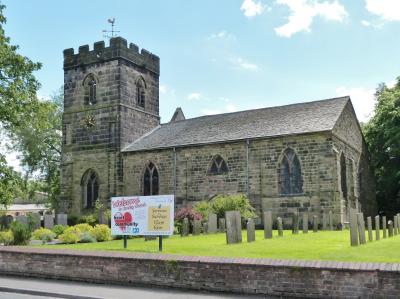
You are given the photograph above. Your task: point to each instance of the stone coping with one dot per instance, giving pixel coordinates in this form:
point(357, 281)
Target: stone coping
point(310, 264)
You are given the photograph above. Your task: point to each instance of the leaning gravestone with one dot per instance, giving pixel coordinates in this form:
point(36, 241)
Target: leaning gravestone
point(280, 226)
point(251, 232)
point(185, 227)
point(384, 229)
point(48, 221)
point(377, 228)
point(23, 219)
point(196, 227)
point(212, 223)
point(315, 223)
point(233, 227)
point(222, 225)
point(353, 228)
point(390, 225)
point(62, 219)
point(267, 219)
point(361, 228)
point(295, 220)
point(330, 219)
point(305, 223)
point(369, 225)
point(324, 221)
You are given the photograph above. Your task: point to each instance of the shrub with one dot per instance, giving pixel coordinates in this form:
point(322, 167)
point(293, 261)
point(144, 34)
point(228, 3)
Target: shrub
point(72, 219)
point(58, 229)
point(89, 219)
point(6, 237)
point(43, 234)
point(204, 208)
point(101, 232)
point(71, 235)
point(21, 233)
point(187, 212)
point(238, 202)
point(87, 238)
point(84, 227)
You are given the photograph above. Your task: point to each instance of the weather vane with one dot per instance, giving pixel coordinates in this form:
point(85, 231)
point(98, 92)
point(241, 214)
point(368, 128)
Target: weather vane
point(110, 33)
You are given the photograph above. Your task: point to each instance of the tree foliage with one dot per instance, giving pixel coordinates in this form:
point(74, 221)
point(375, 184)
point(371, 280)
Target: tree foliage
point(382, 134)
point(10, 183)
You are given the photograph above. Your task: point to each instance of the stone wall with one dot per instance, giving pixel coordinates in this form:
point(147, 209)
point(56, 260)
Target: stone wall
point(302, 279)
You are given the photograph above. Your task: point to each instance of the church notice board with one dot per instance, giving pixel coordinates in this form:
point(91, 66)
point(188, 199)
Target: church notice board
point(142, 215)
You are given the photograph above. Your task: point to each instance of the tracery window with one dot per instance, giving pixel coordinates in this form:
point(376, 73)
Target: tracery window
point(289, 172)
point(90, 188)
point(90, 85)
point(218, 165)
point(343, 176)
point(150, 180)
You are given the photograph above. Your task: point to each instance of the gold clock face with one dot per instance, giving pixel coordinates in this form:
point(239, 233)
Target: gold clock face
point(89, 121)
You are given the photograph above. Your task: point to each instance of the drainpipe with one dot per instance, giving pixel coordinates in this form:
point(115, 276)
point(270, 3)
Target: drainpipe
point(247, 168)
point(174, 152)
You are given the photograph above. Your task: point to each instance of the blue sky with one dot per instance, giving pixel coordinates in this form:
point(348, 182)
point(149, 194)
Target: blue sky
point(227, 55)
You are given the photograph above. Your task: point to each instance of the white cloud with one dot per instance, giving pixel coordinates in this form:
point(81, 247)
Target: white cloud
point(252, 8)
point(163, 89)
point(194, 96)
point(303, 12)
point(362, 98)
point(243, 64)
point(388, 10)
point(231, 108)
point(391, 84)
point(223, 34)
point(365, 23)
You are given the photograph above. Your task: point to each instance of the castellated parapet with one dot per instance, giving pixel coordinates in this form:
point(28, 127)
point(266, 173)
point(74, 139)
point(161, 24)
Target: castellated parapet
point(118, 49)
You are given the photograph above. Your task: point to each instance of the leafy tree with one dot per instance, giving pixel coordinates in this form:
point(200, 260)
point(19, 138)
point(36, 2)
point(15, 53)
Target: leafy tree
point(382, 134)
point(18, 85)
point(10, 183)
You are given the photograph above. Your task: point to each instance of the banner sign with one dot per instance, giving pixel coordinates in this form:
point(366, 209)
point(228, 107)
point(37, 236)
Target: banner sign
point(142, 215)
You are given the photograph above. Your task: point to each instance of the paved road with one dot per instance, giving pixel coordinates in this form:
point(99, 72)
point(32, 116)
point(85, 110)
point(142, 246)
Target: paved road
point(24, 288)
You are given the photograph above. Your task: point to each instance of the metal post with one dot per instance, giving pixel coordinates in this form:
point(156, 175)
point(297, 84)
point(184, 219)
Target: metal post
point(125, 242)
point(160, 243)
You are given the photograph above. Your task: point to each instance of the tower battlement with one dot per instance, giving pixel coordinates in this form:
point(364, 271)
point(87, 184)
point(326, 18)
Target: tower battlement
point(118, 49)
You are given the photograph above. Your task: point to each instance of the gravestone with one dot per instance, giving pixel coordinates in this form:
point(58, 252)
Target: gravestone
point(330, 219)
point(185, 227)
point(205, 228)
point(395, 224)
point(361, 228)
point(267, 219)
point(377, 228)
point(61, 219)
point(222, 225)
point(48, 221)
point(295, 224)
point(36, 220)
point(384, 229)
point(251, 232)
point(196, 227)
point(369, 225)
point(149, 238)
point(305, 223)
point(353, 228)
point(5, 222)
point(233, 227)
point(22, 218)
point(315, 223)
point(212, 223)
point(103, 217)
point(390, 225)
point(324, 221)
point(280, 226)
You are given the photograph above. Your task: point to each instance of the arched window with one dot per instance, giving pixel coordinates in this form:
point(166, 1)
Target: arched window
point(140, 92)
point(90, 188)
point(90, 84)
point(150, 180)
point(289, 172)
point(218, 165)
point(343, 176)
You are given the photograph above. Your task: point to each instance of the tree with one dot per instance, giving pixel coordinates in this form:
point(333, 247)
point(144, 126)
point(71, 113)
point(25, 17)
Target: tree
point(10, 183)
point(382, 134)
point(18, 85)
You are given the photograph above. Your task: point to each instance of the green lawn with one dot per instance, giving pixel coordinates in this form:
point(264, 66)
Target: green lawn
point(312, 246)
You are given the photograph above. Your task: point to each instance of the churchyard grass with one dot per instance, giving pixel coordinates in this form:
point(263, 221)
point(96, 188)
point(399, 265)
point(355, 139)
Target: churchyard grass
point(324, 245)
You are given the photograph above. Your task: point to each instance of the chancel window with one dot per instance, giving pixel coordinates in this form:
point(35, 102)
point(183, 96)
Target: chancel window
point(90, 85)
point(289, 172)
point(218, 165)
point(343, 176)
point(150, 180)
point(140, 93)
point(90, 186)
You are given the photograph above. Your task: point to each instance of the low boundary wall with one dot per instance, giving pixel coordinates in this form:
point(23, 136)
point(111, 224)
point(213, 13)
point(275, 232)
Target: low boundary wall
point(311, 279)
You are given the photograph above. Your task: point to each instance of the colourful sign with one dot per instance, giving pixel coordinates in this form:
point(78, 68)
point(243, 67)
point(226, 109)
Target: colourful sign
point(142, 215)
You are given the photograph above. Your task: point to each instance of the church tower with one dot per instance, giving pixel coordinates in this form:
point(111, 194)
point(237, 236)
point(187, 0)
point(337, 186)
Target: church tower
point(111, 98)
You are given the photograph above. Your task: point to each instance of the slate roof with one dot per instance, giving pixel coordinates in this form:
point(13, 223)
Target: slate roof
point(265, 122)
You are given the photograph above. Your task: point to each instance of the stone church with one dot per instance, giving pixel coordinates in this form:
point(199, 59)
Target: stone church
point(301, 157)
